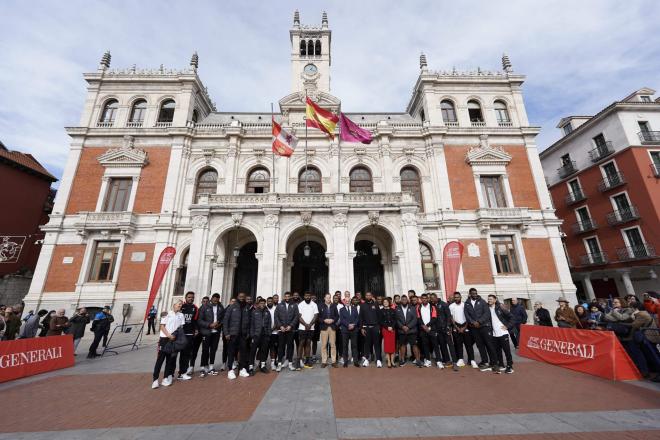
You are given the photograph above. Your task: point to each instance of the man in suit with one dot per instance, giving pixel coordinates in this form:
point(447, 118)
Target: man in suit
point(328, 317)
point(349, 325)
point(477, 314)
point(286, 321)
point(209, 323)
point(406, 321)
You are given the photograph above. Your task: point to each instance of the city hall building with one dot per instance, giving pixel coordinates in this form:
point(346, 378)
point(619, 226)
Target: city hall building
point(153, 163)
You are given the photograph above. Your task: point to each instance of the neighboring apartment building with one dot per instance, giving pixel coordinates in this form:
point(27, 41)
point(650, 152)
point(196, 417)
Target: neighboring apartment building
point(604, 178)
point(26, 199)
point(153, 164)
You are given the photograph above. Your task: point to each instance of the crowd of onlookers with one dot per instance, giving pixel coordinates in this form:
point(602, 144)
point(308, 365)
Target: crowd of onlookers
point(13, 325)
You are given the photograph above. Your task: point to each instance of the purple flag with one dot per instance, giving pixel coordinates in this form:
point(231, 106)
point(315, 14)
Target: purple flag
point(349, 131)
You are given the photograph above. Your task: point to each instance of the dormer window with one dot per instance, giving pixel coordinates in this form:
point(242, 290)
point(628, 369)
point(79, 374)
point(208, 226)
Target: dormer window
point(568, 128)
point(645, 98)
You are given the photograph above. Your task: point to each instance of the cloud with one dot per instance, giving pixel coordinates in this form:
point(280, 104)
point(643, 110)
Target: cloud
point(578, 56)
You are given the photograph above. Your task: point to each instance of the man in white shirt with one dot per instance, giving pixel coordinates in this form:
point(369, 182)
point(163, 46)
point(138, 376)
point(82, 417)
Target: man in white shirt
point(461, 333)
point(272, 343)
point(501, 320)
point(169, 324)
point(308, 314)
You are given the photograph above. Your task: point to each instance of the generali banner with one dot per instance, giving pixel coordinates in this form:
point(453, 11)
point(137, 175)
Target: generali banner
point(27, 357)
point(164, 260)
point(590, 351)
point(452, 255)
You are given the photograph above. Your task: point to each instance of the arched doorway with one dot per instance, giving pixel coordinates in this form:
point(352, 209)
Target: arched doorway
point(245, 273)
point(309, 273)
point(368, 271)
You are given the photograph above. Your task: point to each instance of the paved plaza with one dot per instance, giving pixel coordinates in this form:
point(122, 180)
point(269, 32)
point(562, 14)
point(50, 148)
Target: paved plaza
point(110, 398)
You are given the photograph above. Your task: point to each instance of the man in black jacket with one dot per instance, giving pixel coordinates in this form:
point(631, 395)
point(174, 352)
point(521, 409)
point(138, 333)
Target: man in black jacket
point(444, 327)
point(349, 325)
point(260, 329)
point(478, 317)
point(502, 323)
point(542, 315)
point(370, 322)
point(209, 324)
point(286, 321)
point(427, 317)
point(406, 322)
point(237, 331)
point(518, 317)
point(190, 313)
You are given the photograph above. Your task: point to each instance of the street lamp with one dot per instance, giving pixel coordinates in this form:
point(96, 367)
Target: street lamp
point(374, 248)
point(237, 250)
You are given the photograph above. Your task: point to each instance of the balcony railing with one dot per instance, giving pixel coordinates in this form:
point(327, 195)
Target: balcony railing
point(612, 181)
point(649, 137)
point(105, 124)
point(134, 124)
point(623, 215)
point(574, 197)
point(505, 123)
point(567, 169)
point(594, 259)
point(163, 124)
point(584, 226)
point(601, 151)
point(356, 200)
point(451, 123)
point(120, 220)
point(655, 169)
point(638, 252)
point(478, 123)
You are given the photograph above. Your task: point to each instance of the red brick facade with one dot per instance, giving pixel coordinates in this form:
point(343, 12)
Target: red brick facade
point(134, 275)
point(62, 277)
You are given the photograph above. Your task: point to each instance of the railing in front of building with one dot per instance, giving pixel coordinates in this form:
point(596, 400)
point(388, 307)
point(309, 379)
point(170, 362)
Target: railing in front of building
point(451, 124)
point(567, 169)
point(584, 226)
point(105, 220)
point(649, 137)
point(574, 197)
point(611, 181)
point(161, 124)
point(623, 215)
point(505, 123)
point(593, 259)
point(477, 123)
point(105, 124)
point(638, 252)
point(601, 151)
point(134, 124)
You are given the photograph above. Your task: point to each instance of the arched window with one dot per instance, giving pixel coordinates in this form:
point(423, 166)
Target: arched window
point(501, 112)
point(195, 116)
point(303, 48)
point(318, 47)
point(448, 111)
point(109, 111)
point(207, 183)
point(411, 183)
point(361, 180)
point(429, 268)
point(166, 113)
point(474, 111)
point(310, 47)
point(138, 111)
point(309, 181)
point(258, 181)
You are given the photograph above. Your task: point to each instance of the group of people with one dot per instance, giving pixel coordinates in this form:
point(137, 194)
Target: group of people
point(421, 329)
point(55, 323)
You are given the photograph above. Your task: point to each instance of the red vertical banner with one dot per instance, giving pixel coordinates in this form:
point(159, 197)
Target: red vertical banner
point(164, 261)
point(451, 265)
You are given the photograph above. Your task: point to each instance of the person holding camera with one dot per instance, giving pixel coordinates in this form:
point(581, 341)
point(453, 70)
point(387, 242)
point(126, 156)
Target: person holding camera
point(169, 325)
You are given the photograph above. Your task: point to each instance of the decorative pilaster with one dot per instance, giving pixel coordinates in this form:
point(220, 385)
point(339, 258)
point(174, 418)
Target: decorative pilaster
point(267, 274)
point(196, 257)
point(341, 265)
point(412, 260)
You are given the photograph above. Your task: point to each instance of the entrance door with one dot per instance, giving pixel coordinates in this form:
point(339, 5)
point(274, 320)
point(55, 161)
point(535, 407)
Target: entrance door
point(367, 270)
point(309, 273)
point(245, 274)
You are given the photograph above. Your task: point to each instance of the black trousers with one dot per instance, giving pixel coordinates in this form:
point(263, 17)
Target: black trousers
point(338, 343)
point(273, 341)
point(372, 341)
point(285, 346)
point(463, 339)
point(151, 325)
point(428, 342)
point(501, 344)
point(238, 346)
point(446, 344)
point(481, 343)
point(485, 335)
point(360, 340)
point(169, 359)
point(209, 347)
point(350, 337)
point(95, 343)
point(197, 342)
point(259, 346)
point(515, 335)
point(186, 355)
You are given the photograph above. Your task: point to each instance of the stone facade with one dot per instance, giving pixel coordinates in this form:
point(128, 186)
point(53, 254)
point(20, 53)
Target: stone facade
point(194, 186)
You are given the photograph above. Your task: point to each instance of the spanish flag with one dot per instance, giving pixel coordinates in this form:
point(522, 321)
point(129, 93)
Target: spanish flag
point(322, 119)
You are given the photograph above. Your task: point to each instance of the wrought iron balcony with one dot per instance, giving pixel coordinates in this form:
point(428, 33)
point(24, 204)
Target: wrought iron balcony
point(574, 197)
point(623, 215)
point(594, 259)
point(567, 169)
point(649, 137)
point(638, 252)
point(612, 181)
point(601, 151)
point(584, 226)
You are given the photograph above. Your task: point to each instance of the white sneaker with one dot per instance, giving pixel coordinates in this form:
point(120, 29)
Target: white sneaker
point(185, 377)
point(231, 375)
point(155, 384)
point(272, 365)
point(189, 371)
point(440, 365)
point(460, 363)
point(365, 363)
point(244, 373)
point(427, 363)
point(279, 368)
point(285, 364)
point(291, 367)
point(379, 364)
point(234, 365)
point(473, 364)
point(167, 381)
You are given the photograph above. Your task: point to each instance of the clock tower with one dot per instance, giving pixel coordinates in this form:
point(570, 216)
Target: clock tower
point(310, 56)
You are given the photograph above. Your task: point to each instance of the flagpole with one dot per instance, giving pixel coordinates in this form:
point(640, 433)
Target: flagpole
point(339, 157)
point(305, 140)
point(272, 118)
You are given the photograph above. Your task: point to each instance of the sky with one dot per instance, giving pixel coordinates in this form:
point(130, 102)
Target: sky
point(578, 56)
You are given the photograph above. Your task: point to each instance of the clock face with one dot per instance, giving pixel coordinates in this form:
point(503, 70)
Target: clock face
point(310, 69)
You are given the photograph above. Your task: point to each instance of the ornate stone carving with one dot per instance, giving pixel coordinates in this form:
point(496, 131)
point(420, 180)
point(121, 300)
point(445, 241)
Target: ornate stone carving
point(272, 220)
point(129, 142)
point(487, 156)
point(258, 154)
point(426, 178)
point(126, 156)
point(409, 153)
point(409, 219)
point(374, 216)
point(208, 155)
point(430, 151)
point(199, 221)
point(345, 180)
point(384, 150)
point(293, 180)
point(340, 219)
point(396, 179)
point(306, 217)
point(237, 218)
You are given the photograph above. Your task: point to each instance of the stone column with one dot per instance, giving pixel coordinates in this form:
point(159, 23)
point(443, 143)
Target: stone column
point(196, 257)
point(588, 287)
point(386, 163)
point(217, 279)
point(340, 264)
point(267, 274)
point(627, 283)
point(413, 278)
